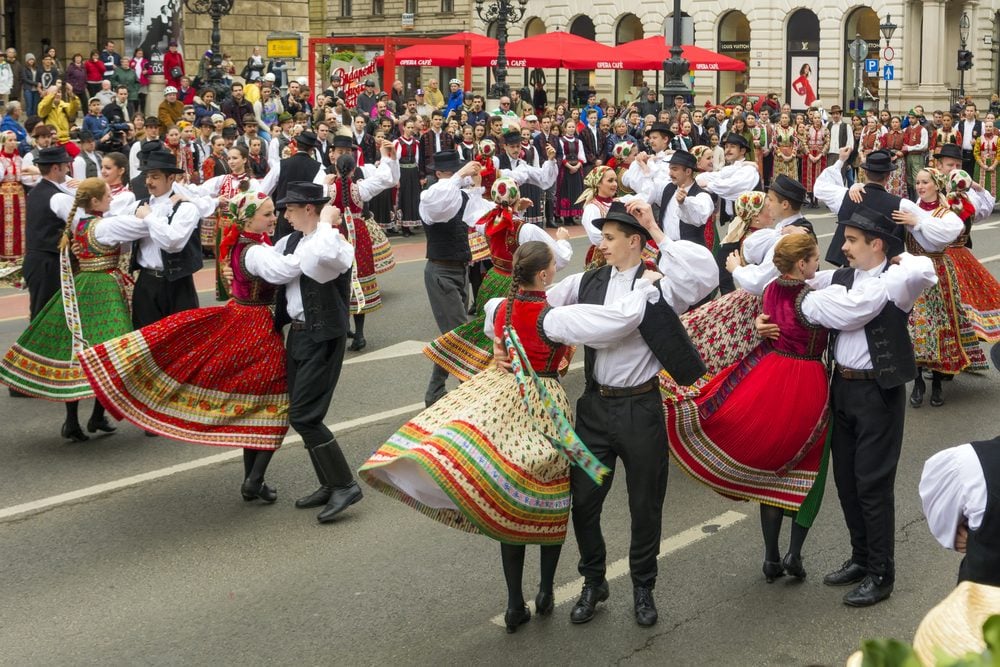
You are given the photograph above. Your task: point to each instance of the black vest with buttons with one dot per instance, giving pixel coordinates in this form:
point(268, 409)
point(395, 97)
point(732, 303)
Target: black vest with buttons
point(888, 336)
point(982, 552)
point(693, 233)
point(660, 328)
point(325, 306)
point(176, 265)
point(450, 240)
point(44, 227)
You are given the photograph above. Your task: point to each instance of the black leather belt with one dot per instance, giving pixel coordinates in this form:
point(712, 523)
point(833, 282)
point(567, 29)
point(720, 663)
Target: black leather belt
point(623, 392)
point(298, 326)
point(449, 262)
point(154, 273)
point(854, 374)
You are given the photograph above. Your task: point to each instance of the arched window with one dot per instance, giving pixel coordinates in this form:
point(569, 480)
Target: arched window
point(629, 29)
point(580, 80)
point(734, 41)
point(862, 22)
point(802, 59)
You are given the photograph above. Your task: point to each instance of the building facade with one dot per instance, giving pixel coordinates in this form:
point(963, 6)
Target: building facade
point(786, 44)
point(78, 26)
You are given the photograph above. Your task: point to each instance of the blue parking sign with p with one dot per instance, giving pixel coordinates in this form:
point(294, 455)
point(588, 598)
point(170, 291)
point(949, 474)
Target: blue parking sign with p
point(871, 66)
point(888, 72)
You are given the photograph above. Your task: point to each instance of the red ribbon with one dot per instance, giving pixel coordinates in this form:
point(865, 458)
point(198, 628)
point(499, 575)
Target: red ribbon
point(498, 220)
point(232, 235)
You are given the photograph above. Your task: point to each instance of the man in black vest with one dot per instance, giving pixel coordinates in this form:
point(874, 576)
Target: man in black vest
point(169, 257)
point(868, 398)
point(841, 136)
point(620, 414)
point(784, 202)
point(959, 488)
point(448, 208)
point(314, 300)
point(138, 182)
point(830, 189)
point(513, 165)
point(302, 167)
point(47, 208)
point(684, 206)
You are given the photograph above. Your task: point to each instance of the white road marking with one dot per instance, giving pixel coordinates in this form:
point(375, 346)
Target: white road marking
point(672, 544)
point(403, 349)
point(135, 480)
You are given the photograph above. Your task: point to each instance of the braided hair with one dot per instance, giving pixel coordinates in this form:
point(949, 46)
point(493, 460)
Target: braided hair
point(346, 164)
point(529, 259)
point(89, 188)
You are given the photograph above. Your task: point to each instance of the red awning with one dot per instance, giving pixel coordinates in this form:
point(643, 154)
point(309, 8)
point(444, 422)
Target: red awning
point(553, 49)
point(444, 55)
point(649, 54)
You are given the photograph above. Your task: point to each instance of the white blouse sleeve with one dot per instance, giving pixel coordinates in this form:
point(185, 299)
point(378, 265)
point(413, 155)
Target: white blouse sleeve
point(561, 249)
point(378, 179)
point(590, 213)
point(600, 326)
point(269, 264)
point(829, 187)
point(325, 254)
point(953, 492)
point(689, 273)
point(173, 234)
point(934, 234)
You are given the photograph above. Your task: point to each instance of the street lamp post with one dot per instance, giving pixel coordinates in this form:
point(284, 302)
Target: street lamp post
point(675, 68)
point(963, 37)
point(503, 12)
point(887, 28)
point(215, 9)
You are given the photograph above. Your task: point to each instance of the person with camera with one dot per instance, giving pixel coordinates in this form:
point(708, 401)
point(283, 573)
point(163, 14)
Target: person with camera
point(58, 109)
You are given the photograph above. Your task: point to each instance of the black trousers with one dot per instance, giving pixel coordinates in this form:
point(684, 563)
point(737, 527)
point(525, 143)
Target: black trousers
point(41, 274)
point(867, 440)
point(313, 371)
point(632, 429)
point(154, 298)
point(969, 161)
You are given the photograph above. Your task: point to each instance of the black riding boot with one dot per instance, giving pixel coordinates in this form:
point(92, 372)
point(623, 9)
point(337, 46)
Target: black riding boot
point(320, 496)
point(346, 491)
point(512, 557)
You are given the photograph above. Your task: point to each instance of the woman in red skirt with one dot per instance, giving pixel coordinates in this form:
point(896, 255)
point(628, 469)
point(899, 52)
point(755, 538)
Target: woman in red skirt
point(189, 378)
point(727, 437)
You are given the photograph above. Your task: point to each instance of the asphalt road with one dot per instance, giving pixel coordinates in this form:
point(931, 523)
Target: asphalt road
point(129, 550)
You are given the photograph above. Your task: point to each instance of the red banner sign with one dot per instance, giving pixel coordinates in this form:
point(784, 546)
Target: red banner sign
point(353, 80)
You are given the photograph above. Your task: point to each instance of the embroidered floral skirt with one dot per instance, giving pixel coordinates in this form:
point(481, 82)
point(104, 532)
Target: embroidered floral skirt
point(756, 431)
point(211, 376)
point(979, 293)
point(41, 362)
point(475, 462)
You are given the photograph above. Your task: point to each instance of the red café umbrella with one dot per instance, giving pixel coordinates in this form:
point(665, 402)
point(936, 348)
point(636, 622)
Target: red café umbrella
point(649, 54)
point(444, 55)
point(552, 49)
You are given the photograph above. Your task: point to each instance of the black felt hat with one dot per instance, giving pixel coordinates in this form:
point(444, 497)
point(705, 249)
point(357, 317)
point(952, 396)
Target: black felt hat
point(512, 138)
point(619, 214)
point(161, 160)
point(447, 161)
point(949, 150)
point(788, 188)
point(343, 141)
point(307, 139)
point(736, 140)
point(53, 155)
point(871, 221)
point(684, 159)
point(303, 192)
point(662, 128)
point(880, 162)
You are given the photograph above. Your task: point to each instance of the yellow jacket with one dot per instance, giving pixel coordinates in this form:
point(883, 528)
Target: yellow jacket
point(169, 114)
point(60, 115)
point(435, 98)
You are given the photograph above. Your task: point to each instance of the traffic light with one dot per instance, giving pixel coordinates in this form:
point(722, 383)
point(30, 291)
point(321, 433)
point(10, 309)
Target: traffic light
point(964, 60)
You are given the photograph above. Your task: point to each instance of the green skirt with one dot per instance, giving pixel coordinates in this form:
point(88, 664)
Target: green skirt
point(41, 363)
point(466, 350)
